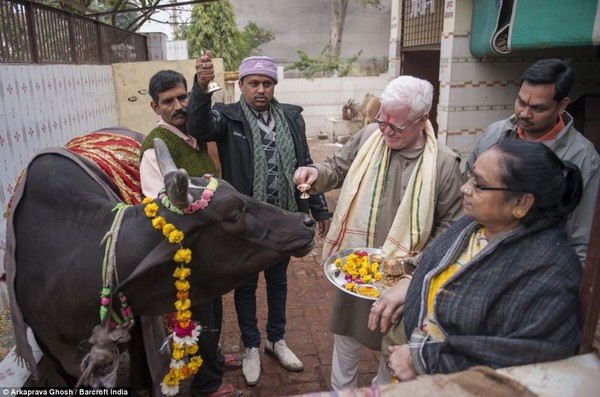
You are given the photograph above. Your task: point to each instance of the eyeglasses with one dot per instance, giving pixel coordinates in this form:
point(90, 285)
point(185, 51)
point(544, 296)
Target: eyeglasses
point(396, 128)
point(472, 179)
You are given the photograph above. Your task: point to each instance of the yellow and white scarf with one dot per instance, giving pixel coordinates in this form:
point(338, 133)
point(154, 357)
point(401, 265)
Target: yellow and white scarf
point(359, 203)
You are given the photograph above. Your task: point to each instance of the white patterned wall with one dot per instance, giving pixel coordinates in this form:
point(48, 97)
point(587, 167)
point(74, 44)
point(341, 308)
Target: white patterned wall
point(47, 105)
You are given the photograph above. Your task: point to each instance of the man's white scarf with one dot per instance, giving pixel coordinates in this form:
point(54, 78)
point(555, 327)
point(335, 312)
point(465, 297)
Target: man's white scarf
point(359, 204)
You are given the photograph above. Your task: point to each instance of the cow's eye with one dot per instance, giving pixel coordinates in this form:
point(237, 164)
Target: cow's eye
point(236, 215)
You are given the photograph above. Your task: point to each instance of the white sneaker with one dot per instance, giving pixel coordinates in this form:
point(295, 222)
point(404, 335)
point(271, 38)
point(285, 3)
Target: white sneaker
point(251, 365)
point(286, 357)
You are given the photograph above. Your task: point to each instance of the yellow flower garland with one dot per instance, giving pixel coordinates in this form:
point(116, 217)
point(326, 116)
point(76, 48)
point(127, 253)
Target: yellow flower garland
point(186, 332)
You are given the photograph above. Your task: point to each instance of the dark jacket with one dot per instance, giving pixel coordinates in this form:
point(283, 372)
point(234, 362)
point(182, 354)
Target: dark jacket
point(515, 303)
point(227, 125)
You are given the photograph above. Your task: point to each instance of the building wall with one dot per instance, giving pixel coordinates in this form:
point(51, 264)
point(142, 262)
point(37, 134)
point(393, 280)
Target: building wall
point(475, 93)
point(131, 89)
point(43, 106)
point(305, 25)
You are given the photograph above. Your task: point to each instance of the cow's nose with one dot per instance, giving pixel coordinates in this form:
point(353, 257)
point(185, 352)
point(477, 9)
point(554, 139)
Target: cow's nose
point(308, 221)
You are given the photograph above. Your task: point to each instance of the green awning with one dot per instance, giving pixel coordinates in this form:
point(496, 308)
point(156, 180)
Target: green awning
point(499, 27)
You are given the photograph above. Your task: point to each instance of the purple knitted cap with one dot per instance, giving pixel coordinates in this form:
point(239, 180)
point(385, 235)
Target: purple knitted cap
point(262, 65)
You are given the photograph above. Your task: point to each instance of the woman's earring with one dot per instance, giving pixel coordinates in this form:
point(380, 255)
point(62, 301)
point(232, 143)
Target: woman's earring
point(518, 213)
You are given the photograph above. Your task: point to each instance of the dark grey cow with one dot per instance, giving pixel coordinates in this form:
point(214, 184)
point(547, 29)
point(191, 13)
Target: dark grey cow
point(63, 210)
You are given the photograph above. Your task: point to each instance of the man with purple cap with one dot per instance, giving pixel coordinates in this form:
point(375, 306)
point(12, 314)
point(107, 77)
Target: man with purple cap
point(261, 142)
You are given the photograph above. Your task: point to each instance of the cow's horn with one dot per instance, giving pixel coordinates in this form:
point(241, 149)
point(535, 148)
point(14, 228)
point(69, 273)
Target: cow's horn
point(163, 157)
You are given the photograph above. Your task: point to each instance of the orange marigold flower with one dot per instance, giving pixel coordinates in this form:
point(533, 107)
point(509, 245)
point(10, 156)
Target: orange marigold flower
point(178, 354)
point(183, 255)
point(175, 237)
point(184, 316)
point(191, 349)
point(168, 228)
point(185, 371)
point(171, 379)
point(151, 210)
point(184, 324)
point(182, 304)
point(182, 272)
point(182, 285)
point(196, 360)
point(159, 222)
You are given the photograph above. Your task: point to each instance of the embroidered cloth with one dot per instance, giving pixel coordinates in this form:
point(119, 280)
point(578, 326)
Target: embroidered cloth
point(118, 156)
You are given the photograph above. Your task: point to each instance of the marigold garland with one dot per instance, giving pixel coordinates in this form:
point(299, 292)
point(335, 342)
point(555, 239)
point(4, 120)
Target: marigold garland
point(185, 331)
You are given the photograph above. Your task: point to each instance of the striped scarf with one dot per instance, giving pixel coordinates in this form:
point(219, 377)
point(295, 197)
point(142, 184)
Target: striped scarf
point(359, 203)
point(285, 155)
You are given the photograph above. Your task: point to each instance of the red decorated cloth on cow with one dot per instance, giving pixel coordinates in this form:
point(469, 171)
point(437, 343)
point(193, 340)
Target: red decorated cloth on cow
point(118, 156)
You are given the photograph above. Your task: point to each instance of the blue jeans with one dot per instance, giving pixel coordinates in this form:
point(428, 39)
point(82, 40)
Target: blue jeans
point(245, 305)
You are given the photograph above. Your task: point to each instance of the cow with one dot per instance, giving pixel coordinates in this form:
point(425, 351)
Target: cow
point(369, 108)
point(62, 211)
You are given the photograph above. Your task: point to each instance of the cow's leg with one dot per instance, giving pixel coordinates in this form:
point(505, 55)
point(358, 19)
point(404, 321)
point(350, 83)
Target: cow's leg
point(70, 381)
point(139, 373)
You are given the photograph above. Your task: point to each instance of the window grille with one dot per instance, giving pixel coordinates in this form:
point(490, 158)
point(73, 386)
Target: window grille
point(422, 22)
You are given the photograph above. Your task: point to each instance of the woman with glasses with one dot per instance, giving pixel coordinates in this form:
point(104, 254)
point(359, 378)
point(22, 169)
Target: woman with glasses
point(500, 287)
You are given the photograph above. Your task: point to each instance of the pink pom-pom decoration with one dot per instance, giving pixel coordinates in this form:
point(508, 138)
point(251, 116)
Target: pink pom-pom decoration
point(183, 332)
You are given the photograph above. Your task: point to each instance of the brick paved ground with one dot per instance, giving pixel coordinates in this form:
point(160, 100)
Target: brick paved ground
point(308, 307)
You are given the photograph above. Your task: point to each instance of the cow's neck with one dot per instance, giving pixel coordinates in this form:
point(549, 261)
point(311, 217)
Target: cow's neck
point(144, 263)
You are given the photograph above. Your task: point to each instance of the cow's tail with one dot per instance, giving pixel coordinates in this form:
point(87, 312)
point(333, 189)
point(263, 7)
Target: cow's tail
point(99, 367)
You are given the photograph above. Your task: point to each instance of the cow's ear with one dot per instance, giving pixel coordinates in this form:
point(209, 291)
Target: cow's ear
point(151, 281)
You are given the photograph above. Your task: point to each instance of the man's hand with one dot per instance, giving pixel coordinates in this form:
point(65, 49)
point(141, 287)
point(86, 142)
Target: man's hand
point(389, 307)
point(306, 175)
point(205, 70)
point(323, 227)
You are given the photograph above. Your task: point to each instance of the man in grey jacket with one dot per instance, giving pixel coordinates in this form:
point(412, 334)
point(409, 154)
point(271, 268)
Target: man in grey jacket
point(540, 116)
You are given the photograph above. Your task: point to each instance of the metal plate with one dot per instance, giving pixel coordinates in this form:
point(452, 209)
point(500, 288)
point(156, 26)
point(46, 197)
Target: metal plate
point(337, 278)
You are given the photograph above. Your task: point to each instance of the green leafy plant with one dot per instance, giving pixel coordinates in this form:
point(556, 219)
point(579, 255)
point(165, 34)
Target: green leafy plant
point(213, 27)
point(325, 64)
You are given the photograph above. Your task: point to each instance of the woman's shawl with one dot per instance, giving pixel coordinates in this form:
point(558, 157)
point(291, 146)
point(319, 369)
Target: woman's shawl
point(515, 303)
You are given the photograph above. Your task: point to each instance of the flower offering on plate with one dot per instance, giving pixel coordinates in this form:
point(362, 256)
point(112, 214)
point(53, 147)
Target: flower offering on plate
point(356, 271)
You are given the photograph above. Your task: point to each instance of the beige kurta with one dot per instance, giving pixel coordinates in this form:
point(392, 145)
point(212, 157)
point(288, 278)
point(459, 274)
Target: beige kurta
point(350, 314)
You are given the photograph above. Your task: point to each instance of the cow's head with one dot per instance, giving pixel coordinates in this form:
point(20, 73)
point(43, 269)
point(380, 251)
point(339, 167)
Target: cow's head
point(231, 239)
